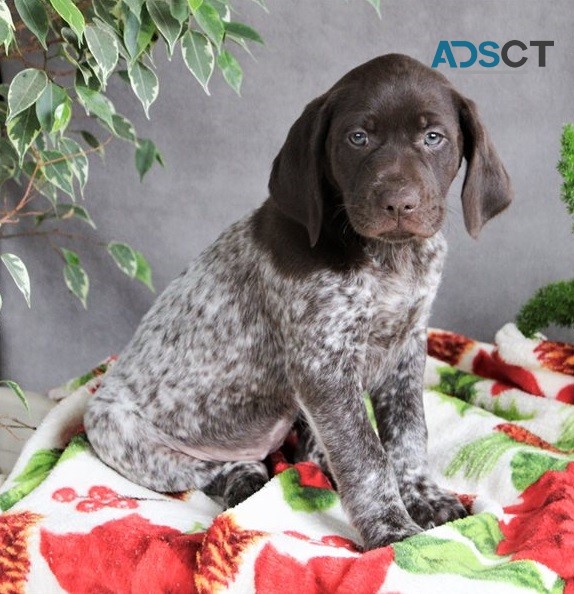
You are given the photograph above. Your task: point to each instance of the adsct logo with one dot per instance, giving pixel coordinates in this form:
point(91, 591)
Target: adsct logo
point(489, 54)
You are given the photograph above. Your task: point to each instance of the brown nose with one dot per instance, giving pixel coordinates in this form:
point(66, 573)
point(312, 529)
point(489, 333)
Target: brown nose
point(399, 204)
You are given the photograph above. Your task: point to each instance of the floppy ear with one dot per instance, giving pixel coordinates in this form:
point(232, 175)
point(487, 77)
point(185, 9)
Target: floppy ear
point(296, 177)
point(487, 189)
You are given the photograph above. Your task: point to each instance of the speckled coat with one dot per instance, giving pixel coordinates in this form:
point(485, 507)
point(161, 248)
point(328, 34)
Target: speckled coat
point(298, 309)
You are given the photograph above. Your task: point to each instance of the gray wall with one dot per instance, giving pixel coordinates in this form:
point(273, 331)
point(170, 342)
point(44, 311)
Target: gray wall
point(218, 152)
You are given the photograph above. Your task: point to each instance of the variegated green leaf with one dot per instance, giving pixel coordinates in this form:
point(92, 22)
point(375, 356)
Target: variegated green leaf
point(241, 31)
point(146, 154)
point(223, 10)
point(143, 272)
point(22, 130)
point(135, 6)
point(8, 160)
point(104, 48)
point(146, 33)
point(198, 56)
point(232, 72)
point(106, 11)
point(77, 160)
point(67, 211)
point(179, 10)
point(77, 282)
point(53, 99)
point(210, 22)
point(25, 90)
point(19, 273)
point(71, 257)
point(96, 104)
point(16, 389)
point(62, 115)
point(125, 258)
point(33, 14)
point(5, 14)
point(168, 26)
point(71, 14)
point(6, 25)
point(144, 83)
point(58, 171)
point(123, 128)
point(132, 28)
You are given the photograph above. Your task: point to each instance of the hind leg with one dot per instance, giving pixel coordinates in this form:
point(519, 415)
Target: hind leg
point(309, 449)
point(129, 444)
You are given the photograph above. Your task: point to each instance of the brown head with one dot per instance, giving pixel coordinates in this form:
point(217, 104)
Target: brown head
point(379, 151)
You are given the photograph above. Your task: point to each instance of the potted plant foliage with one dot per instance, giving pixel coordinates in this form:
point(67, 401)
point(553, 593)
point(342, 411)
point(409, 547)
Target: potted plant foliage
point(554, 303)
point(62, 54)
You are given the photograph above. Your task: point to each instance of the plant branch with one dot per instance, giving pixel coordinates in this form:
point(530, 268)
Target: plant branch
point(51, 232)
point(12, 215)
point(10, 423)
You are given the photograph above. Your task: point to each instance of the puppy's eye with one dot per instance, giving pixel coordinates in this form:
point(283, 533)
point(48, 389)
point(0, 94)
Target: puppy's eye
point(433, 138)
point(359, 138)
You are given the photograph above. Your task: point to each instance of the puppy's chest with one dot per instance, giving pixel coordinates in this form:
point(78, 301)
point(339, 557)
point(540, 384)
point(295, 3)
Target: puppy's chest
point(394, 309)
point(400, 300)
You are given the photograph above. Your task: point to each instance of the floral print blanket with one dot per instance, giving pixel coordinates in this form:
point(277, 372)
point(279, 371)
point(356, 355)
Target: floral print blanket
point(501, 434)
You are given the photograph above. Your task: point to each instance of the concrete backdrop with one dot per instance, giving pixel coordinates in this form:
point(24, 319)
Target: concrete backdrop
point(218, 152)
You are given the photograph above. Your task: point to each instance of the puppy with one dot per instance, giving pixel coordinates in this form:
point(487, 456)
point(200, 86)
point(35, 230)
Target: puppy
point(321, 294)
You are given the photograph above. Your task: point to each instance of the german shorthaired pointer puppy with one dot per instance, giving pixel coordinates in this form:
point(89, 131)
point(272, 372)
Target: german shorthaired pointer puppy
point(321, 294)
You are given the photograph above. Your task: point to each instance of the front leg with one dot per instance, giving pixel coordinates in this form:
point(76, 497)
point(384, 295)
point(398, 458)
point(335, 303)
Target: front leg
point(399, 413)
point(331, 398)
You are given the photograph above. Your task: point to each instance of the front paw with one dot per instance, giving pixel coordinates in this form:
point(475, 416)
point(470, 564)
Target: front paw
point(429, 505)
point(385, 531)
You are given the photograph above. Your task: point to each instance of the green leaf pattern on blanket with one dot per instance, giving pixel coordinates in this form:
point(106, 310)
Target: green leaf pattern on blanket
point(510, 411)
point(425, 554)
point(566, 439)
point(483, 530)
point(457, 383)
point(528, 467)
point(78, 444)
point(558, 586)
point(307, 499)
point(38, 468)
point(461, 406)
point(35, 471)
point(466, 391)
point(479, 457)
point(78, 382)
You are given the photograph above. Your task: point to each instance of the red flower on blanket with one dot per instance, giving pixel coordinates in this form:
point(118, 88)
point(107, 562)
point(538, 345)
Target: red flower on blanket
point(220, 556)
point(310, 475)
point(14, 557)
point(448, 346)
point(360, 574)
point(543, 527)
point(557, 356)
point(98, 497)
point(332, 540)
point(123, 556)
point(492, 366)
